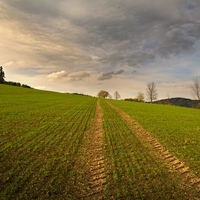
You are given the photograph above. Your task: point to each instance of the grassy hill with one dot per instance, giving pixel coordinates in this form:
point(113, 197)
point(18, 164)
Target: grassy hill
point(177, 128)
point(178, 101)
point(63, 146)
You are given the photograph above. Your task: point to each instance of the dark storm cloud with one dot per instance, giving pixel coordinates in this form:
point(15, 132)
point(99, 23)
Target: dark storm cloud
point(119, 71)
point(151, 29)
point(66, 34)
point(37, 7)
point(106, 76)
point(130, 20)
point(109, 75)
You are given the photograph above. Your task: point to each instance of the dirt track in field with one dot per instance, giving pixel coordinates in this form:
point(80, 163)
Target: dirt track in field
point(97, 176)
point(173, 163)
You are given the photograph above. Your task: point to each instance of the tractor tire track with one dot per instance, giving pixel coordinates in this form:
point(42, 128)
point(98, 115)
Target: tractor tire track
point(97, 177)
point(173, 163)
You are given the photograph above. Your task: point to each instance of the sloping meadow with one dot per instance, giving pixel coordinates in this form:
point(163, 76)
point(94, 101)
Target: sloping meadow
point(41, 136)
point(50, 147)
point(135, 169)
point(176, 128)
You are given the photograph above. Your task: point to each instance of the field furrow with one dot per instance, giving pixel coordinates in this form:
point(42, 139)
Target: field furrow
point(177, 129)
point(171, 160)
point(133, 168)
point(42, 162)
point(62, 146)
point(97, 178)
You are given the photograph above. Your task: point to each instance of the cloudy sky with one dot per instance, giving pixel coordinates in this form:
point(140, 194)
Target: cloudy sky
point(86, 46)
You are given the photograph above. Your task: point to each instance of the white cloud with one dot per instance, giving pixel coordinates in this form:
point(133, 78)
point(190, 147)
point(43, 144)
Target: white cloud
point(63, 75)
point(57, 75)
point(8, 63)
point(40, 87)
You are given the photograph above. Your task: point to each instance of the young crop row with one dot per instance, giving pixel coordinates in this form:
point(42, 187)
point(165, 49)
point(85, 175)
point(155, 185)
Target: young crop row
point(177, 129)
point(133, 170)
point(40, 144)
point(49, 151)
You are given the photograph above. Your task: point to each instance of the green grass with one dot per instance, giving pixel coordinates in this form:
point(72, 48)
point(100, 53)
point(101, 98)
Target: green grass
point(177, 128)
point(45, 147)
point(133, 170)
point(41, 134)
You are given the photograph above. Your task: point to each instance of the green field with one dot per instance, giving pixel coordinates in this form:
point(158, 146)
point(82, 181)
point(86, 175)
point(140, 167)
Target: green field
point(48, 140)
point(177, 128)
point(41, 133)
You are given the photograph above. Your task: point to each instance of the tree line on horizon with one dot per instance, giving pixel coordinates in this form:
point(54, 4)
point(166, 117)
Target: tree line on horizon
point(151, 90)
point(152, 94)
point(3, 81)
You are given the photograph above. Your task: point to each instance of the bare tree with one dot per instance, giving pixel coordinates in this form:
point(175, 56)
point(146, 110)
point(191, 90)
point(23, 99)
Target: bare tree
point(140, 97)
point(151, 91)
point(195, 87)
point(103, 94)
point(117, 95)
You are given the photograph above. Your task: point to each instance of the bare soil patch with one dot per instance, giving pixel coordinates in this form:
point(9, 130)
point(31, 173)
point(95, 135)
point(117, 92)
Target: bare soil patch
point(172, 162)
point(97, 178)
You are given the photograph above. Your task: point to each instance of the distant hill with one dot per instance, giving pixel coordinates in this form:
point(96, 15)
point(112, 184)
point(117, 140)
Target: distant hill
point(179, 101)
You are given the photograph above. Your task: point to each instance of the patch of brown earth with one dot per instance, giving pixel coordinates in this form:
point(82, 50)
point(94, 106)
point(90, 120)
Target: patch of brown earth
point(173, 163)
point(97, 179)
